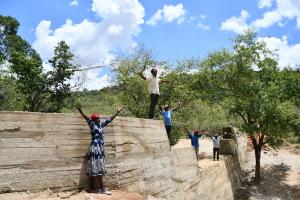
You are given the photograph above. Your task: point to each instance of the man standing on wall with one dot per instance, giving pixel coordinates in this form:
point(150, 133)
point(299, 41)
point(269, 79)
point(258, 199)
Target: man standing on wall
point(153, 83)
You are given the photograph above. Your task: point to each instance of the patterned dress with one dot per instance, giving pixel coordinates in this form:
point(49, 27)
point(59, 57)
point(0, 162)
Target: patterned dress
point(96, 154)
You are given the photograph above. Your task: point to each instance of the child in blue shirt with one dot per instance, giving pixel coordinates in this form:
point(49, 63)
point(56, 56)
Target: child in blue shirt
point(194, 136)
point(166, 112)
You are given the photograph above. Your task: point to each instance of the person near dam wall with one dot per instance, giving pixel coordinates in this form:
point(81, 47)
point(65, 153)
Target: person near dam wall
point(96, 155)
point(166, 112)
point(195, 136)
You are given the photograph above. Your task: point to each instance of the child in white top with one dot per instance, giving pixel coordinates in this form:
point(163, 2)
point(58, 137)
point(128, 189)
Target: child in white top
point(216, 145)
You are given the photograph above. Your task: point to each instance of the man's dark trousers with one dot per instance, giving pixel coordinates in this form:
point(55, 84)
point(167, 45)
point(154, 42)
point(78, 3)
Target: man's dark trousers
point(216, 150)
point(154, 100)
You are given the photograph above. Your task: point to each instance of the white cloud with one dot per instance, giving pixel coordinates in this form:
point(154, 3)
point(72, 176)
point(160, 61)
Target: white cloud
point(203, 16)
point(168, 14)
point(203, 26)
point(172, 13)
point(282, 10)
point(265, 3)
point(73, 3)
point(115, 29)
point(285, 9)
point(155, 18)
point(94, 42)
point(236, 24)
point(288, 54)
point(198, 21)
point(268, 19)
point(94, 82)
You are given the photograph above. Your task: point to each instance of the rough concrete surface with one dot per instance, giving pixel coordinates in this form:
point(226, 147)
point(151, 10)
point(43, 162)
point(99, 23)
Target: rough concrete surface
point(40, 151)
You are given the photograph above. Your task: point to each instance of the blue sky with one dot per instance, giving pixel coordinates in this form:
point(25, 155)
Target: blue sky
point(96, 29)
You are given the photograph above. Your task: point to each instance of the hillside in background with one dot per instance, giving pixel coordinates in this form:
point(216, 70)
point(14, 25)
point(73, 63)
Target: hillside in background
point(104, 101)
point(196, 114)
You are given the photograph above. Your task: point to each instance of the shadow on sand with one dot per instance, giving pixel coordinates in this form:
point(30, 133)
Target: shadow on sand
point(272, 186)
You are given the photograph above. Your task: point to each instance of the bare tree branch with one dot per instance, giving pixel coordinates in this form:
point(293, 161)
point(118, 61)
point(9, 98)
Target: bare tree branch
point(89, 68)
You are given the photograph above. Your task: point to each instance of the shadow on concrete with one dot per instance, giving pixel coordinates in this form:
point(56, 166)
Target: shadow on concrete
point(272, 186)
point(83, 179)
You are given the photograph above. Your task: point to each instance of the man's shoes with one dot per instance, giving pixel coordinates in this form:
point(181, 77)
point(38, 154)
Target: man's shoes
point(98, 191)
point(106, 192)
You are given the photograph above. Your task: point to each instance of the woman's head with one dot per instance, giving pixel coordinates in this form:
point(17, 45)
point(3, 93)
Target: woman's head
point(197, 132)
point(95, 117)
point(216, 136)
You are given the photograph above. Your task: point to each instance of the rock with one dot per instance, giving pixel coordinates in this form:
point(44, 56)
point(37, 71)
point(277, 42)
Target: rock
point(252, 198)
point(48, 191)
point(27, 192)
point(149, 197)
point(88, 197)
point(59, 194)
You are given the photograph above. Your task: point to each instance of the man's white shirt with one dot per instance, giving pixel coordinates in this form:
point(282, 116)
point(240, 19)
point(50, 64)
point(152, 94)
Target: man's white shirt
point(153, 84)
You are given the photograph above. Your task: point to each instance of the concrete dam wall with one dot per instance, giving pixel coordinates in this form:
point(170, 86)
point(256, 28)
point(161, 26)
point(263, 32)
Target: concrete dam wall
point(41, 150)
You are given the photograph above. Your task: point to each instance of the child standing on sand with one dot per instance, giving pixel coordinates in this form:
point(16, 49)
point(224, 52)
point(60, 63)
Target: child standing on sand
point(194, 136)
point(216, 145)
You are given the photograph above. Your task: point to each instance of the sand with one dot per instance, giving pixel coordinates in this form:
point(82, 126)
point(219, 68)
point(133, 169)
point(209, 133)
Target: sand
point(280, 172)
point(72, 195)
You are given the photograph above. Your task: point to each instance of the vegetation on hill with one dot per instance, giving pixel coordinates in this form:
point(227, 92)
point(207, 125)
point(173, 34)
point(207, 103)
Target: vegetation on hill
point(104, 101)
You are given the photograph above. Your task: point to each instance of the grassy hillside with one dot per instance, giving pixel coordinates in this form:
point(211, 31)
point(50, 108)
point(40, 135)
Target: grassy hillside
point(103, 101)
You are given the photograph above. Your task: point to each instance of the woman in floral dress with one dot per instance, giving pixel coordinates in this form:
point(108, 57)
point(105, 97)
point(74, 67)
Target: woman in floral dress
point(96, 154)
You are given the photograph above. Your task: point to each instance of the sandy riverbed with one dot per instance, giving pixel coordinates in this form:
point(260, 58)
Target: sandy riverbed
point(280, 172)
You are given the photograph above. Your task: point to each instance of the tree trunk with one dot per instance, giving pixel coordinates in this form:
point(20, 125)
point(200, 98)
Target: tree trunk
point(257, 163)
point(257, 148)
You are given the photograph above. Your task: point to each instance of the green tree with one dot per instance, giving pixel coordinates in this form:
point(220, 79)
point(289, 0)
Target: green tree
point(261, 98)
point(31, 82)
point(134, 91)
point(8, 30)
point(135, 95)
point(24, 63)
point(8, 97)
point(59, 78)
point(8, 27)
point(35, 90)
point(194, 113)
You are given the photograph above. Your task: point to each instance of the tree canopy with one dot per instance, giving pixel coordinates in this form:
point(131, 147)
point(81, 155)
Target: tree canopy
point(29, 87)
point(248, 83)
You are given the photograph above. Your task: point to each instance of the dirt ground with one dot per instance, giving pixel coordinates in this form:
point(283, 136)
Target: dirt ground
point(74, 195)
point(280, 176)
point(280, 172)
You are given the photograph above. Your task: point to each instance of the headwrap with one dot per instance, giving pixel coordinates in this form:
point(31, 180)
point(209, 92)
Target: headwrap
point(95, 116)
